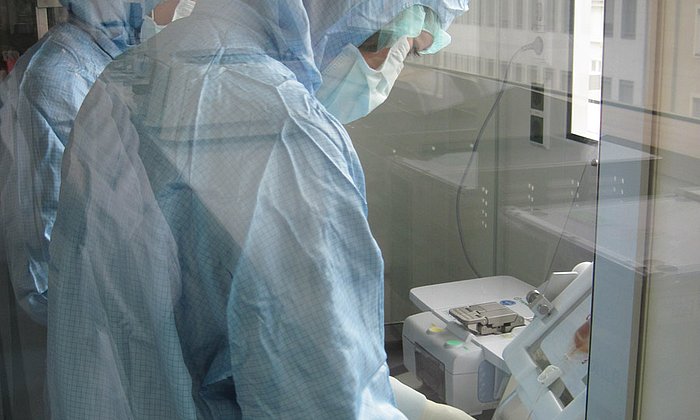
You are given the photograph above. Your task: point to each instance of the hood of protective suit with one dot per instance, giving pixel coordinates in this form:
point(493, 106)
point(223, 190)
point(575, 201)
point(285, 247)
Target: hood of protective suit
point(119, 20)
point(359, 19)
point(308, 34)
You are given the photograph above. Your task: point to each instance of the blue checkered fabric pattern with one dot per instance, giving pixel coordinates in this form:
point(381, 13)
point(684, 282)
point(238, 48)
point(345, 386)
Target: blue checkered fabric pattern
point(40, 99)
point(211, 256)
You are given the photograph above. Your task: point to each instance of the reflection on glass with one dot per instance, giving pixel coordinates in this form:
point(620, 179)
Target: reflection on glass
point(441, 104)
point(210, 254)
point(479, 177)
point(587, 59)
point(549, 135)
point(647, 230)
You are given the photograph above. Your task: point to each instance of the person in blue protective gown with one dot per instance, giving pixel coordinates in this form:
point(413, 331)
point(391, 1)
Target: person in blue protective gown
point(38, 103)
point(40, 99)
point(211, 257)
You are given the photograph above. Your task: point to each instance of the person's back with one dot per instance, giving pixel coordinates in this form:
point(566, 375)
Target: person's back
point(42, 96)
point(212, 254)
point(38, 104)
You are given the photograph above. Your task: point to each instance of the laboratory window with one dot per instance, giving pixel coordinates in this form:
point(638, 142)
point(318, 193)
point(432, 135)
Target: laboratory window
point(549, 15)
point(476, 10)
point(504, 69)
point(505, 10)
point(609, 24)
point(537, 15)
point(470, 18)
point(533, 73)
point(696, 45)
point(519, 14)
point(491, 67)
point(628, 27)
point(695, 107)
point(472, 64)
point(489, 13)
point(564, 16)
point(626, 91)
point(549, 76)
point(606, 88)
point(518, 72)
point(565, 81)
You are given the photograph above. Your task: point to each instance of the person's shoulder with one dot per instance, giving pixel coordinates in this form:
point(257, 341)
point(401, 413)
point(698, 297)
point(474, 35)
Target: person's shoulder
point(310, 114)
point(67, 57)
point(256, 88)
point(313, 129)
point(64, 46)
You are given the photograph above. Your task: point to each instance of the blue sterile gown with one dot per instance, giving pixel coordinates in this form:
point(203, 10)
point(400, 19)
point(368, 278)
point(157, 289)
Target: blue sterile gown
point(211, 257)
point(39, 101)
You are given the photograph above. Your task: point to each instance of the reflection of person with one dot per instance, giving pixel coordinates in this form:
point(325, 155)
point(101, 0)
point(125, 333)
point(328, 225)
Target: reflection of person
point(211, 256)
point(582, 337)
point(40, 99)
point(38, 103)
point(164, 13)
point(579, 348)
point(160, 16)
point(368, 72)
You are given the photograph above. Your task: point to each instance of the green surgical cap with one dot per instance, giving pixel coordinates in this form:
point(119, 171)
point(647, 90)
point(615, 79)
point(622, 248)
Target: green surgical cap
point(410, 23)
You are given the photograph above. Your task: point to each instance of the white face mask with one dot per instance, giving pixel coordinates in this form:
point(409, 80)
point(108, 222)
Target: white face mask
point(183, 9)
point(351, 89)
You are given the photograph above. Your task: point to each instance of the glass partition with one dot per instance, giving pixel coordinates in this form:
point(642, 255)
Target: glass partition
point(483, 164)
point(530, 186)
point(443, 211)
point(646, 266)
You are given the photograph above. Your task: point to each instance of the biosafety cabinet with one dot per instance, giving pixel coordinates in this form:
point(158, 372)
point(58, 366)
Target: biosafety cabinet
point(584, 150)
point(523, 353)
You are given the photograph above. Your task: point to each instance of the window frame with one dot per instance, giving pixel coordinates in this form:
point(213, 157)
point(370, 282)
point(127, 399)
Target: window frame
point(570, 129)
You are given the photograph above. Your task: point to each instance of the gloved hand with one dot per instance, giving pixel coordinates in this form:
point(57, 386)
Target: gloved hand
point(435, 411)
point(415, 406)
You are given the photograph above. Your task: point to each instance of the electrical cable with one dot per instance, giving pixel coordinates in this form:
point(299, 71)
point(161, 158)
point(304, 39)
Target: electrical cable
point(566, 223)
point(536, 46)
